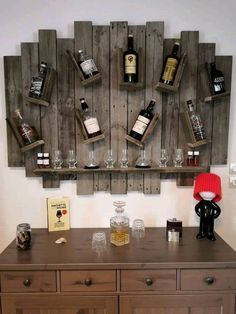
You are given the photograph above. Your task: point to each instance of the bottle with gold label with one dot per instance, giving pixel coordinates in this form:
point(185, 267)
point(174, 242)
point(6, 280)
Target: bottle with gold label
point(170, 66)
point(131, 62)
point(119, 226)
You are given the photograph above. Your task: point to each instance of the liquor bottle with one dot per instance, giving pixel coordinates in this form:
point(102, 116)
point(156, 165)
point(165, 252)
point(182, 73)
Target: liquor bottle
point(37, 82)
point(46, 160)
point(130, 62)
point(170, 66)
point(86, 65)
point(40, 160)
point(217, 79)
point(144, 118)
point(190, 158)
point(91, 123)
point(27, 132)
point(119, 225)
point(196, 122)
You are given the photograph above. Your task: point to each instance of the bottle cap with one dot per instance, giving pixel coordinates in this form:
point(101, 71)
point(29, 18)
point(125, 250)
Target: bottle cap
point(196, 153)
point(130, 35)
point(40, 154)
point(82, 99)
point(46, 154)
point(190, 153)
point(80, 51)
point(176, 43)
point(189, 102)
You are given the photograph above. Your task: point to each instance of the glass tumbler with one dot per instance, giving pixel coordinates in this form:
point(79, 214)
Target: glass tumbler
point(138, 229)
point(99, 241)
point(23, 236)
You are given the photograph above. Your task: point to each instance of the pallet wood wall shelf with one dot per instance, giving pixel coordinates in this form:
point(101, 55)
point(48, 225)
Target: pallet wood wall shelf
point(115, 107)
point(44, 100)
point(175, 87)
point(85, 82)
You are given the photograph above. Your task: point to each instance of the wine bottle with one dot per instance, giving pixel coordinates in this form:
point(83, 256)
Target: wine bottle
point(170, 66)
point(142, 122)
point(196, 122)
point(131, 62)
point(37, 82)
point(27, 132)
point(87, 65)
point(217, 79)
point(90, 123)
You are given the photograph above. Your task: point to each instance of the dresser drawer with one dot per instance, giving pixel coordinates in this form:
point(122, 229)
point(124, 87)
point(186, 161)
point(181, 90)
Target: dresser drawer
point(90, 280)
point(208, 279)
point(148, 280)
point(28, 281)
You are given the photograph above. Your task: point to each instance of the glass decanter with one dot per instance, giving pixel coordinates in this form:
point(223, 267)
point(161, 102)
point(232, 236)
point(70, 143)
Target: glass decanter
point(119, 225)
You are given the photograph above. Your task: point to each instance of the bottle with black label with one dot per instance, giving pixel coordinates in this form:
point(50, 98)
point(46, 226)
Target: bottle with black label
point(90, 123)
point(217, 79)
point(196, 122)
point(170, 66)
point(144, 118)
point(37, 82)
point(131, 62)
point(87, 65)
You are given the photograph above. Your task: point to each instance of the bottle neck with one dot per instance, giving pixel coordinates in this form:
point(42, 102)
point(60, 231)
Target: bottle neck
point(151, 105)
point(130, 43)
point(190, 105)
point(175, 49)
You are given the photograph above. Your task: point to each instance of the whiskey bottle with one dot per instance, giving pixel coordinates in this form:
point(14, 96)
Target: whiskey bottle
point(130, 62)
point(37, 82)
point(170, 66)
point(27, 132)
point(119, 225)
point(196, 122)
point(91, 123)
point(86, 65)
point(142, 122)
point(217, 79)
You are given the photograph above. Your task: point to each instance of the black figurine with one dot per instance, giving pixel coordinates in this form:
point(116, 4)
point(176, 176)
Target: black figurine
point(208, 190)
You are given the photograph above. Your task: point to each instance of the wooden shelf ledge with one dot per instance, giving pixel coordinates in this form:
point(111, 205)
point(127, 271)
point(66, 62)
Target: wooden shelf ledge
point(38, 101)
point(215, 97)
point(32, 146)
point(62, 171)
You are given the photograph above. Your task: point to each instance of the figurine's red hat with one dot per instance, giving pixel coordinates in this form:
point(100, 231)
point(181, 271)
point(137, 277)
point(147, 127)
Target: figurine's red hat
point(207, 182)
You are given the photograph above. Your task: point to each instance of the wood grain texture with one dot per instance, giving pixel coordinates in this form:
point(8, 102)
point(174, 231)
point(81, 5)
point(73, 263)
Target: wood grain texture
point(31, 113)
point(101, 100)
point(136, 102)
point(118, 104)
point(221, 110)
point(154, 62)
point(13, 95)
point(83, 41)
point(188, 90)
point(49, 115)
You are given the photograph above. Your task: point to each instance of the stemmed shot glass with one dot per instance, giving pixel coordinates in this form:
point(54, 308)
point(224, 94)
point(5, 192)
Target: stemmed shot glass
point(71, 159)
point(124, 163)
point(110, 161)
point(178, 158)
point(57, 160)
point(163, 160)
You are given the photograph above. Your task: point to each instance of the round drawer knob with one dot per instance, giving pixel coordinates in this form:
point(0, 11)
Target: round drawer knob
point(209, 280)
point(149, 281)
point(27, 282)
point(88, 282)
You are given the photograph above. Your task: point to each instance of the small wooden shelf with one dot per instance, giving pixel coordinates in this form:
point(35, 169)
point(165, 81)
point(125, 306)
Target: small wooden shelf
point(120, 71)
point(32, 146)
point(87, 140)
point(215, 97)
point(85, 82)
point(175, 87)
point(44, 100)
point(64, 171)
point(149, 130)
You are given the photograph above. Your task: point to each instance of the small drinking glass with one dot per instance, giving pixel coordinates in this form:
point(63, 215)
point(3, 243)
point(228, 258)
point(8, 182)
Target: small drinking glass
point(92, 163)
point(178, 158)
point(99, 242)
point(71, 159)
point(163, 158)
point(138, 229)
point(110, 161)
point(124, 163)
point(57, 160)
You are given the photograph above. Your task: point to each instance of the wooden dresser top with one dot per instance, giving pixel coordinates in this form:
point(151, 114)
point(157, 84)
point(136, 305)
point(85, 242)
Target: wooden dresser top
point(150, 252)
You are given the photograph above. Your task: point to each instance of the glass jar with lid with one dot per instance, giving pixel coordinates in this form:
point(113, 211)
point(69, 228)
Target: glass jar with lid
point(23, 236)
point(119, 225)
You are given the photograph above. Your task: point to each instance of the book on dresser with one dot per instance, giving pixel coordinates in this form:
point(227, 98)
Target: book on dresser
point(58, 213)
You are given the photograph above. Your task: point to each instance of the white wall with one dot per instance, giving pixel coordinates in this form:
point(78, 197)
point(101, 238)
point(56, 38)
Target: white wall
point(23, 199)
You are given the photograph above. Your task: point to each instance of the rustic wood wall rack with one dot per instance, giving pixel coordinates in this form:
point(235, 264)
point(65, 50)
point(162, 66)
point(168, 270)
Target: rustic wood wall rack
point(116, 107)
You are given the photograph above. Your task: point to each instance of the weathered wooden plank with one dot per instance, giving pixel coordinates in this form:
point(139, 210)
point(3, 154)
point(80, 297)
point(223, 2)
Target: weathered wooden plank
point(206, 53)
point(118, 104)
point(188, 90)
point(170, 115)
point(31, 112)
point(154, 61)
point(136, 102)
point(83, 40)
point(49, 125)
point(101, 100)
point(65, 97)
point(221, 110)
point(13, 94)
